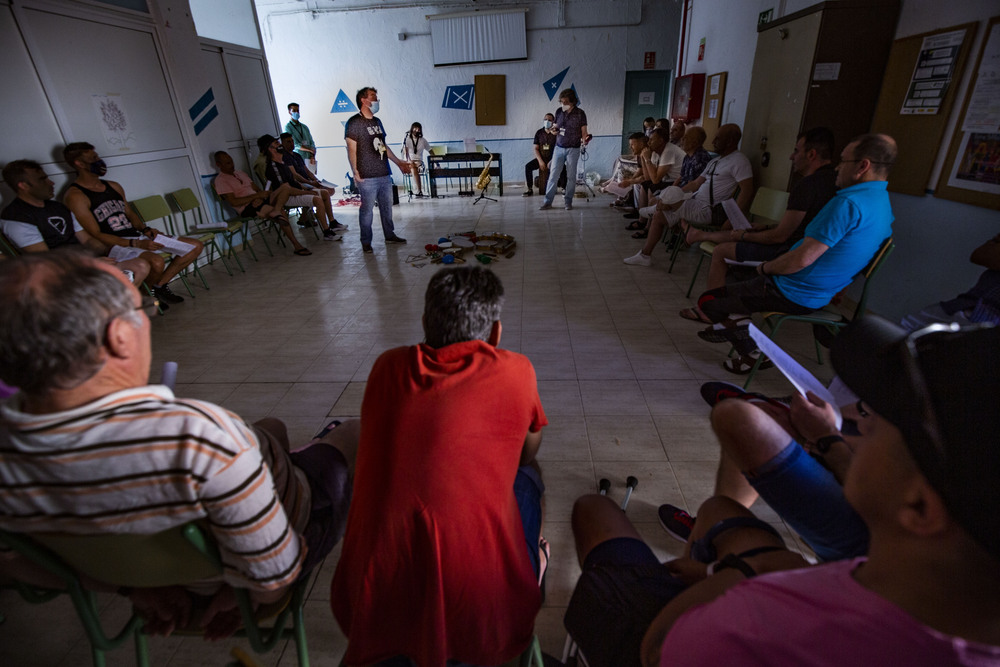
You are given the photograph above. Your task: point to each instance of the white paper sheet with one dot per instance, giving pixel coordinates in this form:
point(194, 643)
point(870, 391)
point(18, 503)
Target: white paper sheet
point(800, 378)
point(172, 245)
point(736, 217)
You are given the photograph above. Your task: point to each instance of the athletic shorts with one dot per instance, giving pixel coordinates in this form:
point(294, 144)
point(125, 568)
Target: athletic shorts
point(528, 490)
point(747, 251)
point(621, 590)
point(326, 470)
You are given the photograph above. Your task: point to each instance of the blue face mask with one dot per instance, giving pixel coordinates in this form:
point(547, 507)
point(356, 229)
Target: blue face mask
point(374, 106)
point(295, 115)
point(99, 167)
point(547, 123)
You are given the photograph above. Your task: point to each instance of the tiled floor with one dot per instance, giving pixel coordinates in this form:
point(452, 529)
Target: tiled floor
point(295, 337)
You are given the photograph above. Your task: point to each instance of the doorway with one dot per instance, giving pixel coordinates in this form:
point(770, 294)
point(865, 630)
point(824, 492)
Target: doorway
point(647, 93)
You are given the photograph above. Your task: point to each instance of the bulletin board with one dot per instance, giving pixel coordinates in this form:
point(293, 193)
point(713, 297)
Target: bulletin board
point(918, 132)
point(491, 99)
point(715, 97)
point(971, 171)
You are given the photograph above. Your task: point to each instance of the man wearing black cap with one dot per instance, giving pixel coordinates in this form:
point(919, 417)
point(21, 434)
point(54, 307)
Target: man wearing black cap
point(922, 477)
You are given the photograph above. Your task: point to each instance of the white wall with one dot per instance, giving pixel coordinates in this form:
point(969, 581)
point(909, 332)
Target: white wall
point(314, 54)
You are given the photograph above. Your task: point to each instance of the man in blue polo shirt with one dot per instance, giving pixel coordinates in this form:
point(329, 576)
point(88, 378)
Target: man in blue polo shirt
point(842, 238)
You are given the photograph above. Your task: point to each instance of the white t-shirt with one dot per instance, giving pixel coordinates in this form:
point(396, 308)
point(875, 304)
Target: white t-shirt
point(415, 154)
point(672, 155)
point(728, 172)
point(21, 234)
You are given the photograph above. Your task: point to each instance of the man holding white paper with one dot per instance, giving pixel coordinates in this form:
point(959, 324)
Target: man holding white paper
point(838, 243)
point(102, 210)
point(745, 243)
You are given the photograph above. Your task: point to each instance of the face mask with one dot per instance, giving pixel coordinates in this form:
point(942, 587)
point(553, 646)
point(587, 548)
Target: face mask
point(566, 108)
point(99, 167)
point(547, 124)
point(418, 134)
point(374, 106)
point(295, 115)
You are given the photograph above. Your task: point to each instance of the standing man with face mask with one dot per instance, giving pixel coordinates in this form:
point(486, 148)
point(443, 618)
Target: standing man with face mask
point(545, 142)
point(571, 124)
point(369, 156)
point(303, 138)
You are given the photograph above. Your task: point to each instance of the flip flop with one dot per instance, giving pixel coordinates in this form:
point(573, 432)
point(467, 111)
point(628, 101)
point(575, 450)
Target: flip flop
point(743, 365)
point(694, 316)
point(636, 224)
point(713, 392)
point(641, 234)
point(303, 252)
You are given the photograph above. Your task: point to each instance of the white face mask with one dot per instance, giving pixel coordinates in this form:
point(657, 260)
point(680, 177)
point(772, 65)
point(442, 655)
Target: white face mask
point(566, 107)
point(374, 106)
point(547, 123)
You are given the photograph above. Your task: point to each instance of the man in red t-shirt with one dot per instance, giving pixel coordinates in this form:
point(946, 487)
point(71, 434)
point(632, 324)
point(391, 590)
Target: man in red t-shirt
point(441, 555)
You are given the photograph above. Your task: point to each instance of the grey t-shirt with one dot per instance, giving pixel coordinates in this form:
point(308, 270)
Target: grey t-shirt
point(373, 160)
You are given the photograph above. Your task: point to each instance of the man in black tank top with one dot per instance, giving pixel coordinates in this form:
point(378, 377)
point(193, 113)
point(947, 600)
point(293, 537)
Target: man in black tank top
point(105, 214)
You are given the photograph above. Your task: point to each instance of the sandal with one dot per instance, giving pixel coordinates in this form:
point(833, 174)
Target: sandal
point(641, 234)
point(742, 365)
point(695, 315)
point(635, 225)
point(303, 252)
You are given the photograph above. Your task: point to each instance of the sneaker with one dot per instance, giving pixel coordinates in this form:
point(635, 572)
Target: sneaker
point(569, 207)
point(421, 195)
point(326, 429)
point(676, 522)
point(395, 239)
point(166, 295)
point(545, 207)
point(336, 226)
point(631, 216)
point(330, 235)
point(638, 259)
point(367, 249)
point(527, 193)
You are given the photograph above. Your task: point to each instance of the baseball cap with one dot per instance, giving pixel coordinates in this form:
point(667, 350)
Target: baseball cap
point(941, 388)
point(673, 194)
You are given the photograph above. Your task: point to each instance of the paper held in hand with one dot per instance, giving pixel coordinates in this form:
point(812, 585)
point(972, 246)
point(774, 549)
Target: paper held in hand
point(736, 217)
point(172, 245)
point(836, 395)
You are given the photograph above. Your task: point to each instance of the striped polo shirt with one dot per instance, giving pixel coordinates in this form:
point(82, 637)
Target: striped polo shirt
point(141, 461)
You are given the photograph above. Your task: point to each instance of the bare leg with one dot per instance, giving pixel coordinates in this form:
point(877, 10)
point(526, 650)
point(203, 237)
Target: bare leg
point(326, 194)
point(156, 267)
point(139, 268)
point(718, 269)
point(749, 436)
point(321, 212)
point(656, 226)
point(596, 519)
point(178, 264)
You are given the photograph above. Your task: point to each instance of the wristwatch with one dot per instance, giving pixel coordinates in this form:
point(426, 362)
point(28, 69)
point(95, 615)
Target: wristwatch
point(823, 444)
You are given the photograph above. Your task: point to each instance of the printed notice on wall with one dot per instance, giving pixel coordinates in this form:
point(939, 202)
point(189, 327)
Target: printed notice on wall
point(713, 108)
point(826, 72)
point(932, 73)
point(976, 166)
point(647, 99)
point(113, 121)
point(713, 87)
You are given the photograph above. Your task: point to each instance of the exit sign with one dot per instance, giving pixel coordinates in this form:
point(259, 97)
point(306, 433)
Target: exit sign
point(649, 60)
point(765, 17)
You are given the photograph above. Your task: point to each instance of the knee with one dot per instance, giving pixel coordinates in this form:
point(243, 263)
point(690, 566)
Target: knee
point(156, 263)
point(588, 508)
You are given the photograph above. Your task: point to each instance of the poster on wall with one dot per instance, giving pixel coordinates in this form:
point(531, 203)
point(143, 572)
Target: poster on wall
point(977, 165)
point(932, 73)
point(458, 97)
point(113, 121)
point(647, 99)
point(343, 104)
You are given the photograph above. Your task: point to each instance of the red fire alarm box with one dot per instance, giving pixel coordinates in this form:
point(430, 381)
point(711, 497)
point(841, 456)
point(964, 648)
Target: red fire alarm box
point(688, 94)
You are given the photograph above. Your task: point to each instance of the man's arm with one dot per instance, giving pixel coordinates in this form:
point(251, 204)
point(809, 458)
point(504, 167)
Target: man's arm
point(789, 222)
point(538, 156)
point(988, 254)
point(402, 164)
point(794, 260)
point(694, 185)
point(79, 206)
point(746, 195)
point(352, 157)
point(133, 217)
point(585, 136)
point(91, 243)
point(532, 442)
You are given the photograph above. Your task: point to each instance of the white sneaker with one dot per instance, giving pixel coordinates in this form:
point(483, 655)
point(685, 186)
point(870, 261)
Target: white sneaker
point(638, 259)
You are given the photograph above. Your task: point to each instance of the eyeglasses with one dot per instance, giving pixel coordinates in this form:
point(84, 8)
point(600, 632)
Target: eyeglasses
point(863, 159)
point(149, 305)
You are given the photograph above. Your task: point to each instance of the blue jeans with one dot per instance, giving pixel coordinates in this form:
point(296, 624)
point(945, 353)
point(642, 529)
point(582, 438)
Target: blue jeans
point(562, 157)
point(811, 500)
point(372, 190)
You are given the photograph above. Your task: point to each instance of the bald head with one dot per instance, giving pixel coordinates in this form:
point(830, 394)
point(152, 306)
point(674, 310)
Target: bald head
point(727, 139)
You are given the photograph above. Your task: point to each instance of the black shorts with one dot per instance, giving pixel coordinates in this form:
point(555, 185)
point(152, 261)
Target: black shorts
point(251, 210)
point(330, 483)
point(621, 590)
point(748, 251)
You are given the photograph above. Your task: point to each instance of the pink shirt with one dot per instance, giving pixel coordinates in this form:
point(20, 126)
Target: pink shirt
point(812, 616)
point(237, 183)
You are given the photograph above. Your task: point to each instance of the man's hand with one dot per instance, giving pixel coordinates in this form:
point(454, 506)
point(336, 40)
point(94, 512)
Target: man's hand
point(164, 609)
point(147, 244)
point(222, 617)
point(813, 418)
